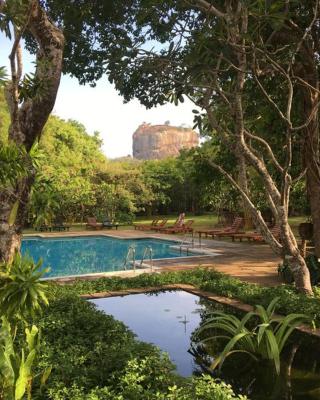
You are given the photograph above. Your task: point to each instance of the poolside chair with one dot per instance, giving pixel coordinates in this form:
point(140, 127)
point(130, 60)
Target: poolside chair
point(158, 226)
point(232, 229)
point(180, 229)
point(93, 224)
point(109, 224)
point(256, 236)
point(162, 227)
point(59, 225)
point(43, 228)
point(143, 227)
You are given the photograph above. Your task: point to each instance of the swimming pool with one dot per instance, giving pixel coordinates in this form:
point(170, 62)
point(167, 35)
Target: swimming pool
point(92, 254)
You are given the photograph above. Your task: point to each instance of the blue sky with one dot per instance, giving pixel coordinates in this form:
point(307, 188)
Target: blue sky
point(102, 109)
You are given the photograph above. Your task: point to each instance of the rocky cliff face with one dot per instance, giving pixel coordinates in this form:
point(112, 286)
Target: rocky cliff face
point(154, 142)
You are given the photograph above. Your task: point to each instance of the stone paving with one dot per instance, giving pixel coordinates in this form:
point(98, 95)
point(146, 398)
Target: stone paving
point(250, 262)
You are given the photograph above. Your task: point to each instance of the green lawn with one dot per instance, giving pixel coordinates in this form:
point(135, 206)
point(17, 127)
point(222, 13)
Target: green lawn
point(208, 221)
point(205, 221)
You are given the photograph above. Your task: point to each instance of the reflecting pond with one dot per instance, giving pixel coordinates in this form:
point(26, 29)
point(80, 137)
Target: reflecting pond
point(168, 319)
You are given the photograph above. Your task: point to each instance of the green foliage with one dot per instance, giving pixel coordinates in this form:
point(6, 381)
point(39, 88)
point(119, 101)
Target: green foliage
point(290, 301)
point(12, 164)
point(22, 294)
point(313, 266)
point(84, 346)
point(95, 357)
point(133, 386)
point(266, 340)
point(17, 365)
point(3, 76)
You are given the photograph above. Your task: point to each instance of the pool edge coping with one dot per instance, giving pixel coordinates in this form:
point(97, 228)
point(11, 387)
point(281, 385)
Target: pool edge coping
point(226, 301)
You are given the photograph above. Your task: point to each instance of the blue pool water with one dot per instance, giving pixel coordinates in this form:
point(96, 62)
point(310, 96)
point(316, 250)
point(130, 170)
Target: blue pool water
point(85, 255)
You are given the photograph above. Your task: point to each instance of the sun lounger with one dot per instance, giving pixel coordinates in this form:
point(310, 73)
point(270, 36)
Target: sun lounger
point(163, 227)
point(256, 236)
point(143, 227)
point(180, 229)
point(109, 224)
point(160, 225)
point(60, 226)
point(93, 224)
point(43, 228)
point(232, 229)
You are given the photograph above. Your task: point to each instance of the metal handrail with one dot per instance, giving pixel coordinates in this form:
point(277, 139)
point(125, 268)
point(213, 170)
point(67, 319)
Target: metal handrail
point(145, 252)
point(131, 252)
point(184, 241)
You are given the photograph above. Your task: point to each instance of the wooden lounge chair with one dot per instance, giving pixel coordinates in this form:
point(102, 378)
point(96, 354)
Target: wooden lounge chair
point(142, 227)
point(232, 229)
point(160, 228)
point(256, 236)
point(93, 224)
point(180, 229)
point(159, 225)
point(43, 228)
point(60, 226)
point(109, 224)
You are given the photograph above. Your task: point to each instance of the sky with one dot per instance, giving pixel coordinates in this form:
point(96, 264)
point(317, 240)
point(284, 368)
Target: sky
point(102, 109)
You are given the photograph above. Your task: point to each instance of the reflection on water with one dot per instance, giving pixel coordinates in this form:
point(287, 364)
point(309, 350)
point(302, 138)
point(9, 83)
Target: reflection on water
point(85, 255)
point(168, 319)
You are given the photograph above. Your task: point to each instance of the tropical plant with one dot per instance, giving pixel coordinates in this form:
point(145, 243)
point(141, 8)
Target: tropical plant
point(17, 366)
point(265, 340)
point(22, 294)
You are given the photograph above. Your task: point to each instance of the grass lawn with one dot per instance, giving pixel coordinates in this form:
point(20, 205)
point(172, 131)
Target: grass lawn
point(208, 221)
point(205, 221)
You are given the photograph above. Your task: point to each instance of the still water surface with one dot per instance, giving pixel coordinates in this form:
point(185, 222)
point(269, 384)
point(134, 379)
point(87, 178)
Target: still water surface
point(168, 319)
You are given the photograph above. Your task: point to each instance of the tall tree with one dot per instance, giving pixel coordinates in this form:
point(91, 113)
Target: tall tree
point(28, 105)
point(212, 52)
point(44, 24)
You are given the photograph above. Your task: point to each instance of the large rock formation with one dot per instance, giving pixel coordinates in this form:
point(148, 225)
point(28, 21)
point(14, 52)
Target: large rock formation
point(154, 142)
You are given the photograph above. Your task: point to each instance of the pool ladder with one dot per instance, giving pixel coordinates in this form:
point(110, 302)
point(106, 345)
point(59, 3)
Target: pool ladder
point(131, 257)
point(131, 253)
point(147, 250)
point(184, 241)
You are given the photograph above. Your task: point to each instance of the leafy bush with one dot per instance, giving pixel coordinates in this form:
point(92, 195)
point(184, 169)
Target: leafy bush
point(84, 346)
point(17, 363)
point(211, 281)
point(22, 294)
point(265, 340)
point(142, 380)
point(96, 357)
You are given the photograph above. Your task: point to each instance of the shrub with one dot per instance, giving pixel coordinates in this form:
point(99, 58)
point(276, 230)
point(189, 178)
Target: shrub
point(22, 294)
point(265, 340)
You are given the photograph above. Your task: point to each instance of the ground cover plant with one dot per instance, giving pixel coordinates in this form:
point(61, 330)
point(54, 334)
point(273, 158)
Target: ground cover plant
point(67, 349)
point(96, 357)
point(290, 301)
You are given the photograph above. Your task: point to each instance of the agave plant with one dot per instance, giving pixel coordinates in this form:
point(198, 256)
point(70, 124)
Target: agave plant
point(22, 294)
point(265, 340)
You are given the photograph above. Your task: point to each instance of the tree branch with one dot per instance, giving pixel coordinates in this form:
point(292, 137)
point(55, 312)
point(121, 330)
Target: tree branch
point(203, 5)
point(276, 246)
point(267, 146)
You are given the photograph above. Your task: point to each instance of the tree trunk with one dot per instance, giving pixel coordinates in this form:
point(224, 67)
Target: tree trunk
point(243, 183)
point(27, 122)
point(307, 69)
point(311, 162)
